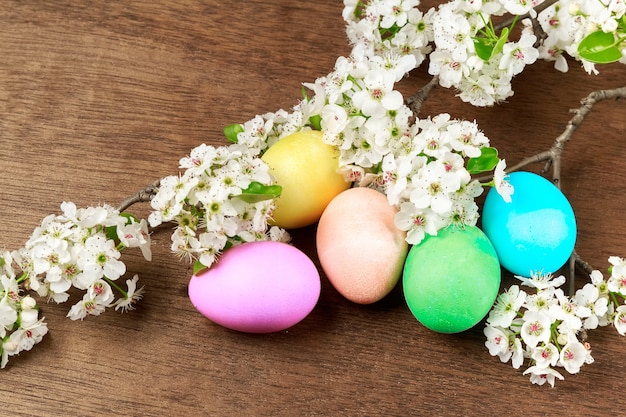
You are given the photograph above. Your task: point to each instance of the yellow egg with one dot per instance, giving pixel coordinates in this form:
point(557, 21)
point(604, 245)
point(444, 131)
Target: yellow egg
point(360, 249)
point(306, 168)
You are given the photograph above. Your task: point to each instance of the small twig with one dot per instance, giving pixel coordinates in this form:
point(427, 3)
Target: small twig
point(141, 196)
point(552, 157)
point(571, 289)
point(572, 125)
point(575, 261)
point(545, 156)
point(415, 102)
point(580, 263)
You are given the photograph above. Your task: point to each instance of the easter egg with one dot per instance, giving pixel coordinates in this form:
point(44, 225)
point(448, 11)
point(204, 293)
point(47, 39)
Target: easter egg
point(536, 231)
point(451, 280)
point(257, 287)
point(306, 169)
point(359, 247)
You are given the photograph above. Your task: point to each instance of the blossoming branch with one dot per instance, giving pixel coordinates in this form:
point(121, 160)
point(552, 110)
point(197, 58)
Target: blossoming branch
point(431, 169)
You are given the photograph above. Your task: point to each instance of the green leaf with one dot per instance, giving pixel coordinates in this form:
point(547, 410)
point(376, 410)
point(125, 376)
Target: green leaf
point(316, 122)
point(483, 48)
point(486, 47)
point(130, 218)
point(600, 47)
point(504, 36)
point(359, 9)
point(198, 266)
point(231, 132)
point(389, 32)
point(258, 192)
point(487, 161)
point(111, 233)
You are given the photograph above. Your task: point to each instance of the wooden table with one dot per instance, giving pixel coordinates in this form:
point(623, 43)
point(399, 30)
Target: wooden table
point(98, 99)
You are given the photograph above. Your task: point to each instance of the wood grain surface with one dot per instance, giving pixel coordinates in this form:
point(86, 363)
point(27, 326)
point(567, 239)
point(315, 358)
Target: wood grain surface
point(99, 98)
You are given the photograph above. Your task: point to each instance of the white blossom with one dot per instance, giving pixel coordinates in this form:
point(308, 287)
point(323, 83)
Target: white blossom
point(536, 328)
point(503, 187)
point(498, 342)
point(573, 356)
point(507, 306)
point(546, 355)
point(540, 375)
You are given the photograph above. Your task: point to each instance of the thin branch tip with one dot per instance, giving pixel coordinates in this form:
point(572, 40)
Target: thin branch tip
point(552, 157)
point(416, 101)
point(142, 196)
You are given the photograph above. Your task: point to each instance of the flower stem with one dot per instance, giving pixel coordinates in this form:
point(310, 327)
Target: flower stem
point(613, 299)
point(117, 287)
point(22, 278)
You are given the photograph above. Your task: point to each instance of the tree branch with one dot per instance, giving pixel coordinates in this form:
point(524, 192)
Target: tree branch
point(415, 102)
point(552, 157)
point(580, 263)
point(576, 261)
point(141, 196)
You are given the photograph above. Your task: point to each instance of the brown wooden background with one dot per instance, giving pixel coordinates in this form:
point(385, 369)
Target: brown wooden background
point(98, 99)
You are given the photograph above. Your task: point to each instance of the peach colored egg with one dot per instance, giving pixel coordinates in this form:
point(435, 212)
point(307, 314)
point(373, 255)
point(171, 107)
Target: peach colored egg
point(360, 249)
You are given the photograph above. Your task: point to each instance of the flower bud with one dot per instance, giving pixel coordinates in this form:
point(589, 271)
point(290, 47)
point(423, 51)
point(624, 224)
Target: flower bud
point(10, 347)
point(28, 303)
point(28, 318)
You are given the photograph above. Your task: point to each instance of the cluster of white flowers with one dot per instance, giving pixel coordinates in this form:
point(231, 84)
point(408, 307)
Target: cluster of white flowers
point(361, 113)
point(548, 328)
point(467, 52)
point(81, 249)
point(261, 132)
point(381, 144)
point(482, 80)
point(222, 199)
point(567, 22)
point(425, 176)
point(391, 27)
point(418, 164)
point(20, 325)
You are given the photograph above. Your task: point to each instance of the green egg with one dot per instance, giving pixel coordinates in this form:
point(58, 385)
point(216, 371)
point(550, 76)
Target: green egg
point(452, 280)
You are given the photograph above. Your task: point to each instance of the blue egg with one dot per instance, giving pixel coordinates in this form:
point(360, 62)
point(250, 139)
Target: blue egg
point(536, 231)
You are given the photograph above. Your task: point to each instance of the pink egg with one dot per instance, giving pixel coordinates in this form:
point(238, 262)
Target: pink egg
point(257, 287)
point(359, 247)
